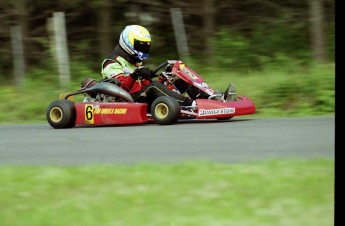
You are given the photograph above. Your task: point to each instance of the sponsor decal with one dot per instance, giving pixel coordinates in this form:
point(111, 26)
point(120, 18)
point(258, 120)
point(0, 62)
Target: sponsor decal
point(221, 111)
point(189, 73)
point(90, 111)
point(108, 111)
point(204, 85)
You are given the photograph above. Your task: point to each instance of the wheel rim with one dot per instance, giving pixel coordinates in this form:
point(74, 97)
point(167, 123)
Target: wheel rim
point(161, 110)
point(56, 114)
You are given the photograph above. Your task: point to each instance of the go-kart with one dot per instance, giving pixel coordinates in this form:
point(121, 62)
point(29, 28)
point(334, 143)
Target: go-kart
point(106, 103)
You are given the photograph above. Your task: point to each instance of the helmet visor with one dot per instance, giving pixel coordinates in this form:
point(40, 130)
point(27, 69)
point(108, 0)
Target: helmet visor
point(141, 46)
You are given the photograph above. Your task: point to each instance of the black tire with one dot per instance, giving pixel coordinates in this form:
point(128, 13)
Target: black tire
point(165, 110)
point(61, 114)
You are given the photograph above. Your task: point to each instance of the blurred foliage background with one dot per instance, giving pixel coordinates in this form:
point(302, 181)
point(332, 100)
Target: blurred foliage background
point(245, 38)
point(280, 53)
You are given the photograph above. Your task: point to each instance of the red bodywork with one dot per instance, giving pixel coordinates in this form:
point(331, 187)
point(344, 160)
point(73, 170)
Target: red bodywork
point(191, 77)
point(93, 113)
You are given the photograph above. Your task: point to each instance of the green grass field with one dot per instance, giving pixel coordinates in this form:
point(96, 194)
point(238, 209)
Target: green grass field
point(284, 193)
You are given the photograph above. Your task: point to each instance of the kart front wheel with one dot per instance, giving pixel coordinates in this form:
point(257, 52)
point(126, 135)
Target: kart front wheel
point(61, 114)
point(165, 110)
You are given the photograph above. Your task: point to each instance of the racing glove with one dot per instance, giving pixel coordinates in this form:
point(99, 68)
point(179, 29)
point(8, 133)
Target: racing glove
point(142, 73)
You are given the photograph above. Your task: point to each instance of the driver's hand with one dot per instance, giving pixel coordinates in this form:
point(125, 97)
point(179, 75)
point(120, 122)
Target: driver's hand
point(143, 73)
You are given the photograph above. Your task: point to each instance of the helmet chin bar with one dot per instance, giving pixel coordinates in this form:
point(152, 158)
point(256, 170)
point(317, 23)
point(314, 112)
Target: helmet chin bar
point(141, 56)
point(138, 56)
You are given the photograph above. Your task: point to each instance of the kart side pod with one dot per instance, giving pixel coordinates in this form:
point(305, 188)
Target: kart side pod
point(67, 114)
point(208, 109)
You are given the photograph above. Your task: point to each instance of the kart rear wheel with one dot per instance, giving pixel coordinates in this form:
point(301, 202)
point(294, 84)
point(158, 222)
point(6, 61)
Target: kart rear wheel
point(165, 110)
point(61, 114)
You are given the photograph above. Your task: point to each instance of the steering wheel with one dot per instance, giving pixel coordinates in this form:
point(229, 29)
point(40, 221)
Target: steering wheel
point(162, 65)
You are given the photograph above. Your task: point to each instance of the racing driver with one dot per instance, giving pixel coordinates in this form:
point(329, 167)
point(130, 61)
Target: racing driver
point(125, 62)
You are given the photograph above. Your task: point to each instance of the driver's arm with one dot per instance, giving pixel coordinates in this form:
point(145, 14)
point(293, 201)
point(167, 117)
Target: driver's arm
point(115, 70)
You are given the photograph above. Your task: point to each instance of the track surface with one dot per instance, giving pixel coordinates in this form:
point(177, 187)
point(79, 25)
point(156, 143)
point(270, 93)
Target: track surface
point(238, 140)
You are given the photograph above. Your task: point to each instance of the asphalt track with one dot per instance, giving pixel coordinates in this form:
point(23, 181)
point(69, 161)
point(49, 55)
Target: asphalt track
point(241, 139)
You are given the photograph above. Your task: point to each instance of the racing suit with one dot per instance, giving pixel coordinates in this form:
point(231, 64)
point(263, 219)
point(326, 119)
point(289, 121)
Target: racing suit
point(118, 64)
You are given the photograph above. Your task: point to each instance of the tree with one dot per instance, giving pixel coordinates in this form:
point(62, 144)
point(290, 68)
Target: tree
point(317, 31)
point(208, 24)
point(104, 25)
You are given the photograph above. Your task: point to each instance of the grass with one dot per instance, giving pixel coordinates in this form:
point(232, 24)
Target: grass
point(289, 192)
